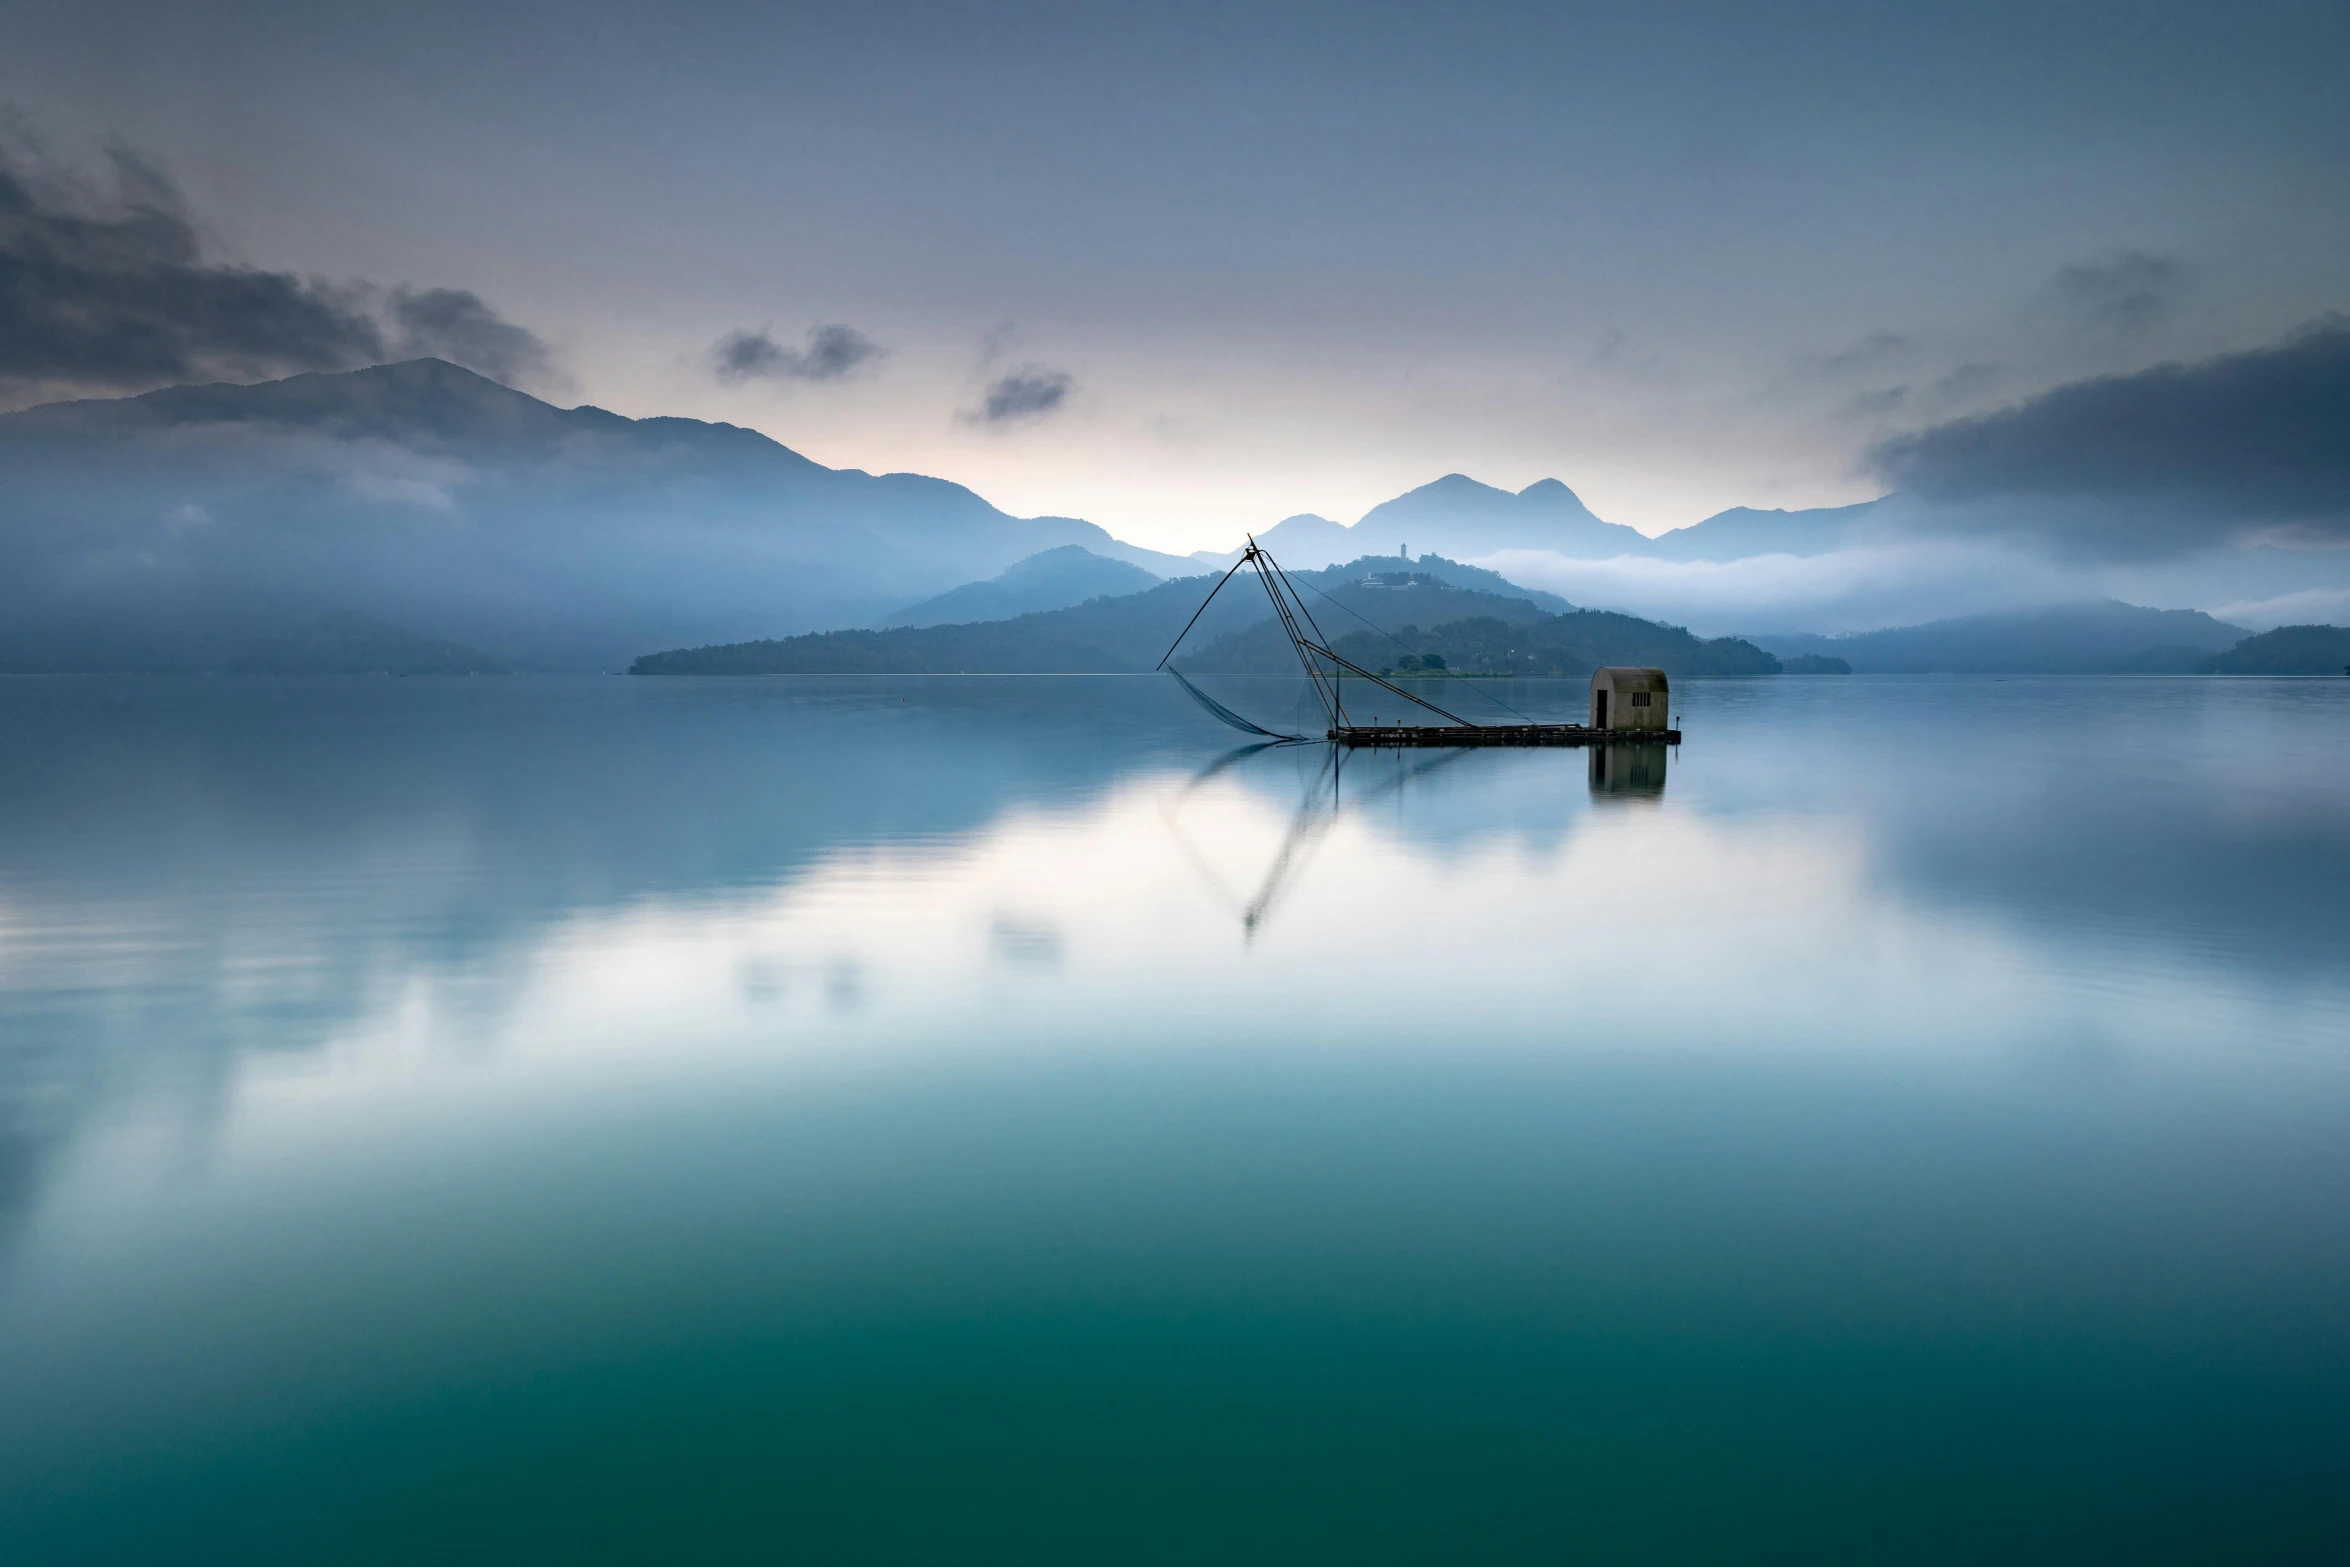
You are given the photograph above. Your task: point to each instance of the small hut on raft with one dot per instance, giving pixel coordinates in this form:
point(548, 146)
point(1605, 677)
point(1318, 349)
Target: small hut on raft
point(1625, 698)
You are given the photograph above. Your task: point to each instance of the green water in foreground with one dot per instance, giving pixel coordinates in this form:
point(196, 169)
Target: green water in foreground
point(989, 1120)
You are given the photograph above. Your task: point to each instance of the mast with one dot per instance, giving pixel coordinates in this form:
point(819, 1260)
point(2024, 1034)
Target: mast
point(1288, 606)
point(1270, 573)
point(1319, 645)
point(1297, 640)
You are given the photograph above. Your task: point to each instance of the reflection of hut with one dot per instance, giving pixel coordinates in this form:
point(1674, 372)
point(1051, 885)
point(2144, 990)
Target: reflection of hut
point(1624, 698)
point(1627, 772)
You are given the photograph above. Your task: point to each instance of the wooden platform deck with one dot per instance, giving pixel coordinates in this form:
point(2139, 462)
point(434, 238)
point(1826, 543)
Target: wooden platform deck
point(1450, 735)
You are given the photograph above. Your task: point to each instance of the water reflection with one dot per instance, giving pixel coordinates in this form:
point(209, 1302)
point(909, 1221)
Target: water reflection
point(602, 1005)
point(1323, 798)
point(194, 873)
point(1627, 772)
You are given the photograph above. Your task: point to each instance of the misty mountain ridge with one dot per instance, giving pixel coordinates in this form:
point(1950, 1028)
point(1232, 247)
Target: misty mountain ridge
point(354, 644)
point(1379, 613)
point(1059, 578)
point(159, 531)
point(1459, 517)
point(2103, 636)
point(166, 531)
point(1744, 532)
point(1372, 609)
point(1049, 579)
point(426, 403)
point(1125, 634)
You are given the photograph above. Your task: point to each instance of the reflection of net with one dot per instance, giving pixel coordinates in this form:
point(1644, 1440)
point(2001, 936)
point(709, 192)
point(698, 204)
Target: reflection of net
point(1225, 714)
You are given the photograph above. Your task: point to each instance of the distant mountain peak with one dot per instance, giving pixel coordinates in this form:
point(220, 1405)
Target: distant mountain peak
point(1048, 580)
point(1452, 487)
point(1551, 492)
point(1462, 516)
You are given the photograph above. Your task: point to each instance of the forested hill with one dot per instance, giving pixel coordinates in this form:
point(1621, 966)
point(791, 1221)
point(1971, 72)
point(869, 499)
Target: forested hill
point(1571, 645)
point(1111, 635)
point(1127, 634)
point(1100, 636)
point(2288, 650)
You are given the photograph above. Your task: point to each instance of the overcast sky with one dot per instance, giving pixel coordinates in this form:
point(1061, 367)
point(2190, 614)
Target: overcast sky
point(1188, 272)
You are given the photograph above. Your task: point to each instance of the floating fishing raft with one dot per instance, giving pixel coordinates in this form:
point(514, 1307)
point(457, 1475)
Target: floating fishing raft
point(1498, 734)
point(1326, 672)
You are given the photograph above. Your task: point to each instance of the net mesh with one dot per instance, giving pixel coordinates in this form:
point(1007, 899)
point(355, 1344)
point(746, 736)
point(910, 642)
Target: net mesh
point(1224, 714)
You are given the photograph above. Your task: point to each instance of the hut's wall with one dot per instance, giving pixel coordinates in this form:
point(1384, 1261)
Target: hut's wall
point(1629, 698)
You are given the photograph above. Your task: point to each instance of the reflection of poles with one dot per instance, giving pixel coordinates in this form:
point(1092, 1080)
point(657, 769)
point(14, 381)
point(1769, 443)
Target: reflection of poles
point(1226, 760)
point(1312, 822)
point(1316, 813)
point(1169, 815)
point(1305, 832)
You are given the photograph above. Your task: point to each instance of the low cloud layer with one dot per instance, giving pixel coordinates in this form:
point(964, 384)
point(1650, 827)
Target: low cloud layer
point(1027, 394)
point(2170, 459)
point(833, 352)
point(1855, 589)
point(1902, 581)
point(108, 290)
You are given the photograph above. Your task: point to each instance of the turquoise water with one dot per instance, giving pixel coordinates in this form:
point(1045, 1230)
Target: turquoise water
point(977, 1120)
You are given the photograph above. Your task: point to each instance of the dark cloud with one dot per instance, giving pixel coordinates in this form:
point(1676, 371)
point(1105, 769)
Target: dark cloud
point(108, 290)
point(833, 351)
point(2170, 457)
point(454, 324)
point(2125, 296)
point(1030, 392)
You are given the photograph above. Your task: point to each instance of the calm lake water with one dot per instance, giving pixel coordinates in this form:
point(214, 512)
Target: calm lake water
point(991, 1120)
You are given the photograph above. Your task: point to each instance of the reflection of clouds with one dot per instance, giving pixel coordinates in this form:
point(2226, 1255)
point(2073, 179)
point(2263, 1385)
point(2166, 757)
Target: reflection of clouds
point(2187, 824)
point(114, 992)
point(762, 980)
point(1773, 935)
point(1976, 860)
point(195, 875)
point(844, 985)
point(1025, 942)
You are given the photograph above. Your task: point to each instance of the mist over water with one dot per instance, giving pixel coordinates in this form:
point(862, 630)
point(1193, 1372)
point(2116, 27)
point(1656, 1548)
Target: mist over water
point(1898, 581)
point(993, 1119)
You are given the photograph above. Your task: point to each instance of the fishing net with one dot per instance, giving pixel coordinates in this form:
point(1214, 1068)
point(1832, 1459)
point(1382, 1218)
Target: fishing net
point(1224, 714)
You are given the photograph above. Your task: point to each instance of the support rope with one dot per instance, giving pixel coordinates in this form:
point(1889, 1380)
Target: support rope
point(1407, 647)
